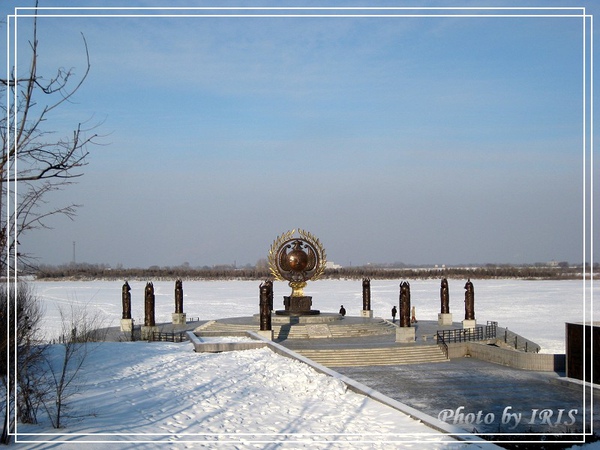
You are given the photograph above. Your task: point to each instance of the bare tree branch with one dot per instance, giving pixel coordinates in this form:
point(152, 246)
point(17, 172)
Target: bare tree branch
point(45, 162)
point(80, 330)
point(35, 163)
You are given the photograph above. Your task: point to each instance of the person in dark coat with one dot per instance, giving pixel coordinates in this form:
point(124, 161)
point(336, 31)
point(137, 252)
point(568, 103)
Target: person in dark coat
point(394, 312)
point(342, 311)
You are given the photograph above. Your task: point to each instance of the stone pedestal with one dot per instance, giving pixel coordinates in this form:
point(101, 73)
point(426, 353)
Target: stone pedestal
point(366, 313)
point(444, 319)
point(267, 334)
point(405, 335)
point(126, 325)
point(297, 306)
point(469, 324)
point(179, 318)
point(147, 332)
point(292, 319)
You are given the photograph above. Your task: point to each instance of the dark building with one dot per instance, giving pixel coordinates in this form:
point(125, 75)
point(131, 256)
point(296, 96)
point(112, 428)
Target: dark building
point(580, 340)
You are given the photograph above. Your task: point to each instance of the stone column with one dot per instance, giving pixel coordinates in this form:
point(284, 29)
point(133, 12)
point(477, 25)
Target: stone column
point(405, 333)
point(265, 298)
point(149, 321)
point(444, 317)
point(469, 321)
point(366, 291)
point(126, 320)
point(405, 304)
point(179, 317)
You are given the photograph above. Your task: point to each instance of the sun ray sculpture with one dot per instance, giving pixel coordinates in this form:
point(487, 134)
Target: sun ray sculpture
point(297, 260)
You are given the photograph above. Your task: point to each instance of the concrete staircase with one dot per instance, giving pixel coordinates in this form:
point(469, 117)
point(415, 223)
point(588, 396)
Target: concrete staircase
point(374, 328)
point(386, 356)
point(279, 332)
point(301, 331)
point(323, 334)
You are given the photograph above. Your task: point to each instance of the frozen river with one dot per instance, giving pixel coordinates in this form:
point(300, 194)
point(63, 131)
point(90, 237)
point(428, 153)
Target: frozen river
point(537, 310)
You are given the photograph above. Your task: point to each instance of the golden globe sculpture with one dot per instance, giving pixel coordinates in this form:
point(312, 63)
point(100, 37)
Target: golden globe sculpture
point(297, 260)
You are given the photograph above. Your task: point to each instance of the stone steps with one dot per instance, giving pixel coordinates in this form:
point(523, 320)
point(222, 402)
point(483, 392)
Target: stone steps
point(302, 331)
point(347, 357)
point(366, 329)
point(279, 332)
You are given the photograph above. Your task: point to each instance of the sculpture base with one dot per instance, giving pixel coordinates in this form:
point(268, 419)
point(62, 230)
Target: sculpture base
point(179, 318)
point(444, 319)
point(469, 323)
point(126, 325)
point(293, 319)
point(310, 312)
point(405, 335)
point(366, 313)
point(147, 332)
point(297, 306)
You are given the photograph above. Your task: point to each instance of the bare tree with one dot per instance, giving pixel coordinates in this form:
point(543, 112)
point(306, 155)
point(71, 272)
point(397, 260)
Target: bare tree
point(38, 163)
point(44, 162)
point(20, 343)
point(64, 363)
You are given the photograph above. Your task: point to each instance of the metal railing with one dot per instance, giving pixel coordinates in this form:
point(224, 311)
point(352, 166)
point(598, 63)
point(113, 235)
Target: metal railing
point(520, 343)
point(161, 336)
point(442, 344)
point(466, 334)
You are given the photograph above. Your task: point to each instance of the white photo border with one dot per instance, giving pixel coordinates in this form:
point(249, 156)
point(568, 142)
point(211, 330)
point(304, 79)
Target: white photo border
point(313, 12)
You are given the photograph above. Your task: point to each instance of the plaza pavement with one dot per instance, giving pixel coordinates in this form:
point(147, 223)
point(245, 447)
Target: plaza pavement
point(476, 395)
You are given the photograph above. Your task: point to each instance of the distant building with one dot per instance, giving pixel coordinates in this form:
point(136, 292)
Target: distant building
point(332, 265)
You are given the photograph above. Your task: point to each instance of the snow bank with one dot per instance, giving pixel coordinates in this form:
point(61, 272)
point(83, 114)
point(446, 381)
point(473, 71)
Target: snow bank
point(140, 393)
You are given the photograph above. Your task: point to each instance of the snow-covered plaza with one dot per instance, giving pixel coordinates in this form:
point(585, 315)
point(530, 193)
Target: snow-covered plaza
point(144, 395)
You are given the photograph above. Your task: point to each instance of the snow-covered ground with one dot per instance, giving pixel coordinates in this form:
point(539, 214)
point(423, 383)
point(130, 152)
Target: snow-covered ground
point(165, 395)
point(144, 393)
point(537, 310)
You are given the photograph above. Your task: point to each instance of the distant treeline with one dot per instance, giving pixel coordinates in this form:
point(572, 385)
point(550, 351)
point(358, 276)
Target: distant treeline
point(489, 271)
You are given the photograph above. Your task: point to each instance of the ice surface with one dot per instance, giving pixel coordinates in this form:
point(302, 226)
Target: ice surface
point(537, 310)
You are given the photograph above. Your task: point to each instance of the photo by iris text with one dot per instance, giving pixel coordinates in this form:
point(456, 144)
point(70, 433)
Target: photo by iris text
point(510, 418)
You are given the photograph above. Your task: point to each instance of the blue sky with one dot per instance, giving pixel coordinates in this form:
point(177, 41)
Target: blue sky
point(421, 140)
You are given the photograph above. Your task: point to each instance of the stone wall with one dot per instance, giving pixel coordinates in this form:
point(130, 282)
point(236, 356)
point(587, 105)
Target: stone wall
point(542, 362)
point(200, 346)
